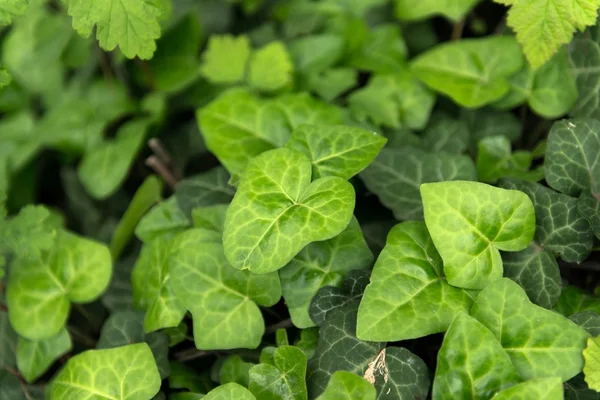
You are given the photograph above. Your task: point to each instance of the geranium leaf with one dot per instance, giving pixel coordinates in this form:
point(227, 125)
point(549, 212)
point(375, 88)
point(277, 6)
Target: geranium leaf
point(34, 357)
point(469, 222)
point(345, 385)
point(133, 375)
point(270, 68)
point(544, 388)
point(205, 189)
point(549, 348)
point(277, 207)
point(225, 59)
point(286, 379)
point(407, 280)
point(453, 9)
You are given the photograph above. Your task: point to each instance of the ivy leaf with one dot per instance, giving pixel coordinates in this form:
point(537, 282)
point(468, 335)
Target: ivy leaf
point(408, 280)
point(39, 292)
point(545, 388)
point(132, 24)
point(446, 134)
point(383, 52)
point(229, 391)
point(307, 60)
point(270, 68)
point(127, 327)
point(119, 294)
point(152, 289)
point(472, 363)
point(407, 10)
point(223, 301)
point(29, 233)
point(588, 320)
point(11, 9)
point(163, 220)
point(320, 264)
point(584, 55)
point(495, 160)
point(283, 380)
point(337, 150)
point(331, 83)
point(277, 211)
point(133, 375)
point(206, 189)
point(225, 59)
point(182, 377)
point(485, 123)
point(11, 388)
point(34, 357)
point(591, 369)
point(549, 348)
point(577, 389)
point(345, 385)
point(396, 176)
point(211, 218)
point(469, 222)
point(574, 300)
point(473, 72)
point(234, 369)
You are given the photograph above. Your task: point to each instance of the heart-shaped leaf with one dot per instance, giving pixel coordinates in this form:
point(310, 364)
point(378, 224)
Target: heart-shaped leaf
point(229, 391)
point(285, 379)
point(540, 343)
point(469, 222)
point(34, 357)
point(223, 300)
point(277, 211)
point(407, 282)
point(40, 291)
point(133, 375)
point(346, 385)
point(544, 388)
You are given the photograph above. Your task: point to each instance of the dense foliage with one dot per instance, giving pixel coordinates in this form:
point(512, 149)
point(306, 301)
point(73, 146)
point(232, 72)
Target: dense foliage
point(299, 199)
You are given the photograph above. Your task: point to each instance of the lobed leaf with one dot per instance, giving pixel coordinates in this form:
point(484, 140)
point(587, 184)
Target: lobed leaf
point(285, 379)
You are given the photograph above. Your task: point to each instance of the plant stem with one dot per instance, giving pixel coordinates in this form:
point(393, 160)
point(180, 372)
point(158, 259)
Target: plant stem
point(457, 29)
point(286, 323)
point(161, 169)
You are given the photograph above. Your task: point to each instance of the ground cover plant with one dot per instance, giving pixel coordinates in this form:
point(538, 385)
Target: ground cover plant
point(296, 199)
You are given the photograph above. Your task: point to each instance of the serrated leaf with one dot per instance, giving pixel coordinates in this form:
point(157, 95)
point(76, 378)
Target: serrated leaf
point(127, 327)
point(225, 58)
point(34, 357)
point(130, 24)
point(471, 363)
point(407, 282)
point(407, 10)
point(133, 375)
point(336, 150)
point(229, 391)
point(162, 221)
point(588, 320)
point(495, 160)
point(473, 72)
point(40, 291)
point(396, 176)
point(234, 369)
point(285, 379)
point(270, 68)
point(11, 9)
point(470, 222)
point(550, 347)
point(591, 369)
point(545, 388)
point(223, 301)
point(277, 211)
point(206, 189)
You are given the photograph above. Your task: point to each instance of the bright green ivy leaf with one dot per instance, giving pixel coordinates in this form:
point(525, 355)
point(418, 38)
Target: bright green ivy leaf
point(34, 357)
point(540, 343)
point(542, 389)
point(285, 379)
point(133, 375)
point(469, 222)
point(130, 24)
point(495, 160)
point(396, 176)
point(206, 189)
point(337, 150)
point(591, 369)
point(5, 77)
point(163, 220)
point(320, 264)
point(270, 68)
point(473, 72)
point(223, 301)
point(229, 391)
point(406, 284)
point(234, 369)
point(40, 291)
point(277, 211)
point(408, 10)
point(345, 385)
point(383, 52)
point(225, 58)
point(471, 363)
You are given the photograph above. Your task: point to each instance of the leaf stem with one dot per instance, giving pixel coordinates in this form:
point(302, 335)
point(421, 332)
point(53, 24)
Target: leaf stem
point(286, 323)
point(457, 29)
point(161, 169)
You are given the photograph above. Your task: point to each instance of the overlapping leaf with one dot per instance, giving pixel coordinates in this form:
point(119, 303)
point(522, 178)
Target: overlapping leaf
point(162, 221)
point(495, 160)
point(285, 379)
point(34, 357)
point(345, 385)
point(205, 189)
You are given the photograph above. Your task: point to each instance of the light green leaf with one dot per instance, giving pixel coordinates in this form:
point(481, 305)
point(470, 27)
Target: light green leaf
point(591, 369)
point(588, 320)
point(406, 284)
point(229, 391)
point(331, 83)
point(270, 68)
point(103, 170)
point(584, 54)
point(469, 222)
point(393, 100)
point(133, 375)
point(277, 211)
point(127, 327)
point(337, 150)
point(316, 53)
point(301, 108)
point(408, 10)
point(396, 176)
point(348, 386)
point(550, 347)
point(308, 341)
point(8, 343)
point(34, 357)
point(285, 380)
point(321, 264)
point(495, 160)
point(383, 52)
point(473, 72)
point(234, 369)
point(11, 9)
point(542, 389)
point(206, 189)
point(40, 291)
point(5, 78)
point(225, 58)
point(471, 363)
point(163, 220)
point(130, 24)
point(223, 301)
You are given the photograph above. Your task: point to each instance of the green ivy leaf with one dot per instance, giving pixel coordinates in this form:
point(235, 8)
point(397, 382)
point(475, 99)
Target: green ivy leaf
point(588, 320)
point(396, 176)
point(11, 388)
point(407, 281)
point(545, 388)
point(549, 348)
point(577, 389)
point(34, 357)
point(345, 385)
point(182, 377)
point(285, 379)
point(574, 300)
point(473, 72)
point(495, 160)
point(308, 341)
point(337, 150)
point(225, 59)
point(407, 10)
point(307, 60)
point(133, 375)
point(470, 222)
point(127, 327)
point(270, 68)
point(205, 189)
point(320, 264)
point(446, 134)
point(39, 292)
point(234, 369)
point(584, 55)
point(162, 221)
point(591, 369)
point(223, 301)
point(277, 211)
point(472, 363)
point(332, 83)
point(485, 123)
point(119, 294)
point(229, 391)
point(384, 51)
point(29, 233)
point(211, 218)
